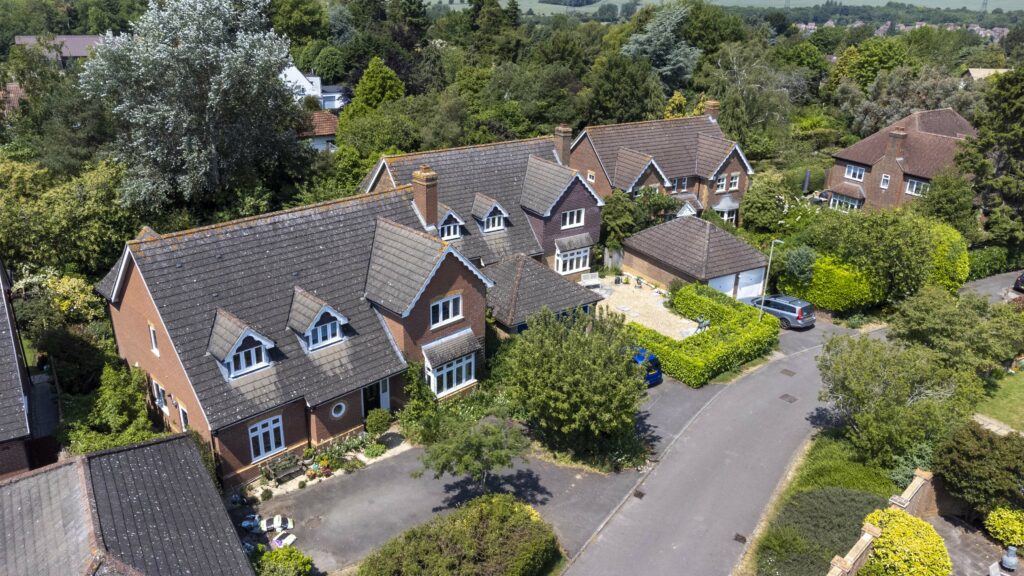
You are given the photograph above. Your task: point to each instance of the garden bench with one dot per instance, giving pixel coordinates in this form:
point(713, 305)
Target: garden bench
point(590, 280)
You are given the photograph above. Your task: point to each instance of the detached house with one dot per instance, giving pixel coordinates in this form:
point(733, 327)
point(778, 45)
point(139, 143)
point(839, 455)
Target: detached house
point(896, 164)
point(272, 333)
point(689, 158)
point(496, 200)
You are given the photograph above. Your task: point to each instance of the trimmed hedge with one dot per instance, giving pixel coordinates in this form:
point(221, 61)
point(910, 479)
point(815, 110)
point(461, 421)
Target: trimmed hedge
point(991, 260)
point(950, 262)
point(1006, 525)
point(734, 338)
point(908, 545)
point(491, 534)
point(833, 463)
point(834, 286)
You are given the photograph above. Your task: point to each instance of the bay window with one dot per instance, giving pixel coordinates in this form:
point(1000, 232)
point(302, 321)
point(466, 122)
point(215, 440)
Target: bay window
point(452, 375)
point(572, 260)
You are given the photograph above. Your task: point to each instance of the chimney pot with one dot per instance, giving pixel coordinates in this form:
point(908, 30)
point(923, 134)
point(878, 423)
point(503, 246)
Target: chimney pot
point(563, 143)
point(424, 193)
point(712, 108)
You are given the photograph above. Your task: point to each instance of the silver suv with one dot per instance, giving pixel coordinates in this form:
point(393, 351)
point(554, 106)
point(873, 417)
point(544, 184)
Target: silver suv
point(791, 312)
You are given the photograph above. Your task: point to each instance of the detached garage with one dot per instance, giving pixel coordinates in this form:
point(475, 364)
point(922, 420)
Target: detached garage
point(694, 250)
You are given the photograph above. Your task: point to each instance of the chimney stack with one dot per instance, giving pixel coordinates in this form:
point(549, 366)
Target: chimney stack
point(563, 143)
point(897, 136)
point(424, 193)
point(712, 108)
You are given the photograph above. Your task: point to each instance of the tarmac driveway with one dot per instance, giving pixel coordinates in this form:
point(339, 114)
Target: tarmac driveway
point(998, 288)
point(343, 519)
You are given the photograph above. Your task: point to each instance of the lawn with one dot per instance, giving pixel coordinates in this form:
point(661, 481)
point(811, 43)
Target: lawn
point(1006, 404)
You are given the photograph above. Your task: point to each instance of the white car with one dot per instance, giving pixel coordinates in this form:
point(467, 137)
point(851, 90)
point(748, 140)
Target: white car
point(277, 523)
point(282, 540)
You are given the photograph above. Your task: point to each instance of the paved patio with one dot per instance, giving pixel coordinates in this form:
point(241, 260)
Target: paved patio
point(970, 550)
point(644, 306)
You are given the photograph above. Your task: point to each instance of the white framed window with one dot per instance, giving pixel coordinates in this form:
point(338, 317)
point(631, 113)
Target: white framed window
point(885, 181)
point(728, 215)
point(446, 311)
point(720, 184)
point(266, 438)
point(573, 260)
point(680, 184)
point(326, 331)
point(843, 203)
point(734, 181)
point(572, 218)
point(450, 231)
point(160, 397)
point(591, 177)
point(854, 172)
point(153, 346)
point(917, 187)
point(494, 222)
point(183, 414)
point(250, 355)
point(338, 410)
point(456, 374)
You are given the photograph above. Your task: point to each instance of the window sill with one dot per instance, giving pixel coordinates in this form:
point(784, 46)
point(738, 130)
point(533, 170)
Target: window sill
point(237, 375)
point(447, 322)
point(580, 225)
point(854, 179)
point(269, 455)
point(462, 386)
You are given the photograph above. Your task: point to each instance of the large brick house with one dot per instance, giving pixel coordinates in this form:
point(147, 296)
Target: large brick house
point(689, 158)
point(272, 333)
point(494, 201)
point(896, 164)
point(14, 388)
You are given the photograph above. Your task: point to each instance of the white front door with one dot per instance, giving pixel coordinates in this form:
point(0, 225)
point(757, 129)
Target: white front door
point(750, 283)
point(385, 394)
point(724, 284)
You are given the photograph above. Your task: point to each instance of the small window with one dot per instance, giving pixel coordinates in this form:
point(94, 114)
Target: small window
point(327, 330)
point(591, 177)
point(266, 438)
point(734, 182)
point(720, 184)
point(728, 215)
point(249, 356)
point(160, 397)
point(917, 187)
point(680, 184)
point(338, 410)
point(445, 311)
point(152, 341)
point(184, 417)
point(572, 261)
point(450, 231)
point(885, 181)
point(854, 172)
point(572, 218)
point(494, 222)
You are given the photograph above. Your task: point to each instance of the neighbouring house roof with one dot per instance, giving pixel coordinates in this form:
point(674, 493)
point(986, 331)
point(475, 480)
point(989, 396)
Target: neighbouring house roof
point(543, 184)
point(690, 199)
point(71, 46)
point(574, 242)
point(849, 189)
point(497, 170)
point(692, 146)
point(149, 509)
point(451, 347)
point(931, 143)
point(523, 286)
point(696, 248)
point(13, 375)
point(322, 123)
point(982, 73)
point(250, 267)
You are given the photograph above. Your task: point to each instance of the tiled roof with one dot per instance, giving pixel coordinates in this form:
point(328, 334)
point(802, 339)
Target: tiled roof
point(321, 123)
point(981, 73)
point(692, 146)
point(691, 200)
point(13, 377)
point(931, 143)
point(251, 267)
point(849, 189)
point(483, 205)
point(71, 46)
point(149, 509)
point(497, 170)
point(574, 242)
point(451, 347)
point(629, 166)
point(696, 248)
point(226, 331)
point(544, 183)
point(305, 307)
point(401, 262)
point(523, 286)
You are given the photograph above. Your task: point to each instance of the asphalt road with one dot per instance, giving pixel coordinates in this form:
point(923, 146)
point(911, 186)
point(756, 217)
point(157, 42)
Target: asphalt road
point(714, 481)
point(998, 288)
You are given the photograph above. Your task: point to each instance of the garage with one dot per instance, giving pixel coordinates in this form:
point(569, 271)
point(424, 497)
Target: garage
point(694, 250)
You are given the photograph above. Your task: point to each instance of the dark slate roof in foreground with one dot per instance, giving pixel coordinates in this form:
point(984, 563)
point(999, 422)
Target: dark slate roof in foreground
point(250, 267)
point(13, 377)
point(523, 286)
point(544, 183)
point(695, 247)
point(497, 170)
point(451, 347)
point(149, 509)
point(305, 308)
point(401, 261)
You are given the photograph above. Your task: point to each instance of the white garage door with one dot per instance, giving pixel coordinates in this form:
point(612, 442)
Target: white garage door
point(750, 283)
point(723, 284)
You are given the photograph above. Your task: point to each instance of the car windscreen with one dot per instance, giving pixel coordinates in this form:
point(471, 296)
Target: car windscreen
point(808, 310)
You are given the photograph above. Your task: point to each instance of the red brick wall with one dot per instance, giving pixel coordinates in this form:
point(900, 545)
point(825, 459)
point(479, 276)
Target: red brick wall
point(324, 426)
point(13, 458)
point(584, 158)
point(637, 265)
point(232, 443)
point(131, 317)
point(877, 197)
point(709, 197)
point(651, 178)
point(550, 229)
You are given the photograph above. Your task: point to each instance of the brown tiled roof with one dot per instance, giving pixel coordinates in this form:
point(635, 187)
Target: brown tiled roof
point(696, 248)
point(629, 166)
point(322, 123)
point(930, 145)
point(849, 189)
point(523, 286)
point(71, 46)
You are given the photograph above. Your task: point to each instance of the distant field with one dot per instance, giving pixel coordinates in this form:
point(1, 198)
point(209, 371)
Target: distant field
point(539, 8)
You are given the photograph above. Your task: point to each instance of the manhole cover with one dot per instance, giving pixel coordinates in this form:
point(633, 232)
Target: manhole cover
point(740, 538)
point(788, 398)
point(788, 372)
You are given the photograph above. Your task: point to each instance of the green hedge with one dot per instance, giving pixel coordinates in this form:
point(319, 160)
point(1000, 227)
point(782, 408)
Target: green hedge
point(950, 261)
point(834, 286)
point(1006, 525)
point(990, 260)
point(734, 338)
point(491, 534)
point(908, 545)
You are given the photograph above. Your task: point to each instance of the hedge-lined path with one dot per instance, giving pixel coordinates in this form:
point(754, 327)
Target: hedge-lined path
point(717, 476)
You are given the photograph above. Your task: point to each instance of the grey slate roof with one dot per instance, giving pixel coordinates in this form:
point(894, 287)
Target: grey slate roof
point(497, 170)
point(149, 509)
point(629, 166)
point(544, 183)
point(574, 242)
point(251, 267)
point(696, 248)
point(523, 286)
point(451, 347)
point(13, 376)
point(692, 146)
point(305, 307)
point(401, 262)
point(483, 205)
point(691, 200)
point(226, 331)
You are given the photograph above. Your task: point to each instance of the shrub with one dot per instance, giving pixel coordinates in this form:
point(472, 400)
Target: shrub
point(284, 562)
point(982, 468)
point(375, 450)
point(984, 262)
point(798, 263)
point(1006, 525)
point(302, 484)
point(950, 264)
point(489, 535)
point(266, 494)
point(834, 286)
point(908, 545)
point(377, 422)
point(832, 463)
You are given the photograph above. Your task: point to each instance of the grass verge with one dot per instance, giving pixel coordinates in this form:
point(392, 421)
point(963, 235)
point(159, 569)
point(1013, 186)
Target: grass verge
point(1006, 403)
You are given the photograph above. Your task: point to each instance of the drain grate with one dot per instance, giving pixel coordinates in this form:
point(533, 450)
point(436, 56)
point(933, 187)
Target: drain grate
point(787, 372)
point(740, 538)
point(788, 398)
point(638, 494)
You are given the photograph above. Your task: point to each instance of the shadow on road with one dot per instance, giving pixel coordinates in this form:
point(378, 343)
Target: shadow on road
point(648, 432)
point(824, 418)
point(523, 484)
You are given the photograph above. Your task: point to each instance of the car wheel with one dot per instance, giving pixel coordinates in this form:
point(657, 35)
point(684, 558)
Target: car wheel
point(784, 323)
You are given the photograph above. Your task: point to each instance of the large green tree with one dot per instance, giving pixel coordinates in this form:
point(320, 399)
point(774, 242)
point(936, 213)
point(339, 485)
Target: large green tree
point(763, 207)
point(672, 58)
point(299, 20)
point(951, 200)
point(476, 450)
point(982, 468)
point(605, 100)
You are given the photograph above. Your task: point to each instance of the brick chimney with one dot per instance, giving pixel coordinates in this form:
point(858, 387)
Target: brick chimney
point(897, 136)
point(712, 108)
point(424, 193)
point(563, 143)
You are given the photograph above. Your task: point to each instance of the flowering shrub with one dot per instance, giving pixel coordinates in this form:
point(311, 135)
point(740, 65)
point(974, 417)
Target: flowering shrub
point(1006, 525)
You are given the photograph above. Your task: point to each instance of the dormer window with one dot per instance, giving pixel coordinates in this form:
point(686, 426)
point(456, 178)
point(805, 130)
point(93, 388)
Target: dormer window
point(250, 355)
point(450, 231)
point(325, 332)
point(495, 221)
